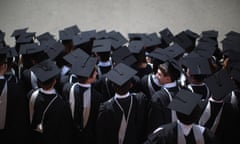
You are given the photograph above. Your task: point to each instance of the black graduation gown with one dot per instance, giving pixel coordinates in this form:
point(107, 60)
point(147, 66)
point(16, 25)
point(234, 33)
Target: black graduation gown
point(159, 114)
point(86, 135)
point(228, 126)
point(201, 89)
point(58, 123)
point(144, 85)
point(168, 135)
point(17, 118)
point(110, 116)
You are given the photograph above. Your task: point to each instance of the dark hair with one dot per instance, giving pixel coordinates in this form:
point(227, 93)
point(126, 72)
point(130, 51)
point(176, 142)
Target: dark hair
point(169, 70)
point(123, 89)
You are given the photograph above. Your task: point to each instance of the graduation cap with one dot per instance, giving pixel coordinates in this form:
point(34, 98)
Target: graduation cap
point(85, 67)
point(135, 46)
point(192, 35)
point(72, 29)
point(19, 32)
point(184, 41)
point(31, 48)
point(197, 65)
point(117, 39)
point(54, 50)
point(76, 56)
point(120, 74)
point(185, 102)
point(66, 35)
point(103, 45)
point(80, 40)
point(2, 35)
point(123, 55)
point(90, 34)
point(136, 36)
point(26, 38)
point(101, 35)
point(213, 34)
point(220, 84)
point(45, 37)
point(12, 52)
point(45, 70)
point(152, 40)
point(205, 49)
point(233, 34)
point(167, 36)
point(159, 54)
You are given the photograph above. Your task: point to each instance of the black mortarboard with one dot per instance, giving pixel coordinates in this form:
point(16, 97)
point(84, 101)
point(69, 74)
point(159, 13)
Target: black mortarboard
point(152, 40)
point(210, 34)
point(2, 35)
point(159, 54)
point(136, 36)
point(123, 55)
point(229, 45)
point(85, 67)
point(101, 34)
point(90, 34)
point(54, 50)
point(220, 84)
point(12, 52)
point(80, 40)
point(233, 34)
point(26, 38)
point(76, 56)
point(136, 46)
point(185, 102)
point(192, 35)
point(72, 29)
point(166, 36)
point(120, 74)
point(209, 41)
point(65, 35)
point(184, 41)
point(103, 45)
point(45, 70)
point(117, 39)
point(45, 37)
point(27, 49)
point(205, 49)
point(197, 65)
point(19, 32)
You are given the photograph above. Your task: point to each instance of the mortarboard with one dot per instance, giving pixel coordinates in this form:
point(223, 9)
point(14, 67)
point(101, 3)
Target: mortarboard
point(27, 49)
point(80, 40)
point(120, 74)
point(136, 36)
point(185, 102)
point(45, 37)
point(101, 35)
point(103, 45)
point(220, 84)
point(197, 65)
point(65, 35)
point(76, 56)
point(166, 36)
point(152, 40)
point(136, 46)
point(205, 49)
point(11, 52)
point(45, 70)
point(192, 35)
point(19, 32)
point(184, 41)
point(117, 39)
point(2, 35)
point(213, 34)
point(233, 34)
point(90, 34)
point(123, 55)
point(54, 50)
point(26, 38)
point(74, 30)
point(85, 67)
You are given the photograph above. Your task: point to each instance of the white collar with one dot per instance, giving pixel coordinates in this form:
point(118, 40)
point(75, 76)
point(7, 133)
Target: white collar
point(51, 91)
point(85, 85)
point(215, 101)
point(200, 84)
point(105, 64)
point(185, 128)
point(170, 85)
point(155, 80)
point(121, 96)
point(2, 77)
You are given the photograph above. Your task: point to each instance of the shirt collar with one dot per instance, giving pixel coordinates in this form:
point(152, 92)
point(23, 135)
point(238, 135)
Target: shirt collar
point(51, 91)
point(122, 96)
point(185, 128)
point(170, 85)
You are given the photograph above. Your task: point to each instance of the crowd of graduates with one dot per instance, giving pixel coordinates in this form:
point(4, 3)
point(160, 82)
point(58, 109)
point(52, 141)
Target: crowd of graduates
point(99, 87)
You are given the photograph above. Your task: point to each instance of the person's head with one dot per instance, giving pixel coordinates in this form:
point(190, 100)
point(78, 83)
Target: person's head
point(167, 73)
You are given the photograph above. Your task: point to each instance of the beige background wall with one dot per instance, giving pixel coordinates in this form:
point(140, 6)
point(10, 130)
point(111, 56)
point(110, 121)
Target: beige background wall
point(121, 15)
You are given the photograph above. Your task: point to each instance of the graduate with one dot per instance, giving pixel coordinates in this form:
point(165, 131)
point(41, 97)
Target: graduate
point(122, 119)
point(49, 114)
point(184, 130)
point(83, 99)
point(14, 122)
point(219, 115)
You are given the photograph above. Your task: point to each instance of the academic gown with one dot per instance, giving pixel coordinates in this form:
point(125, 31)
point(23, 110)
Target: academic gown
point(159, 114)
point(200, 89)
point(86, 135)
point(58, 125)
point(17, 119)
point(228, 126)
point(110, 116)
point(168, 135)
